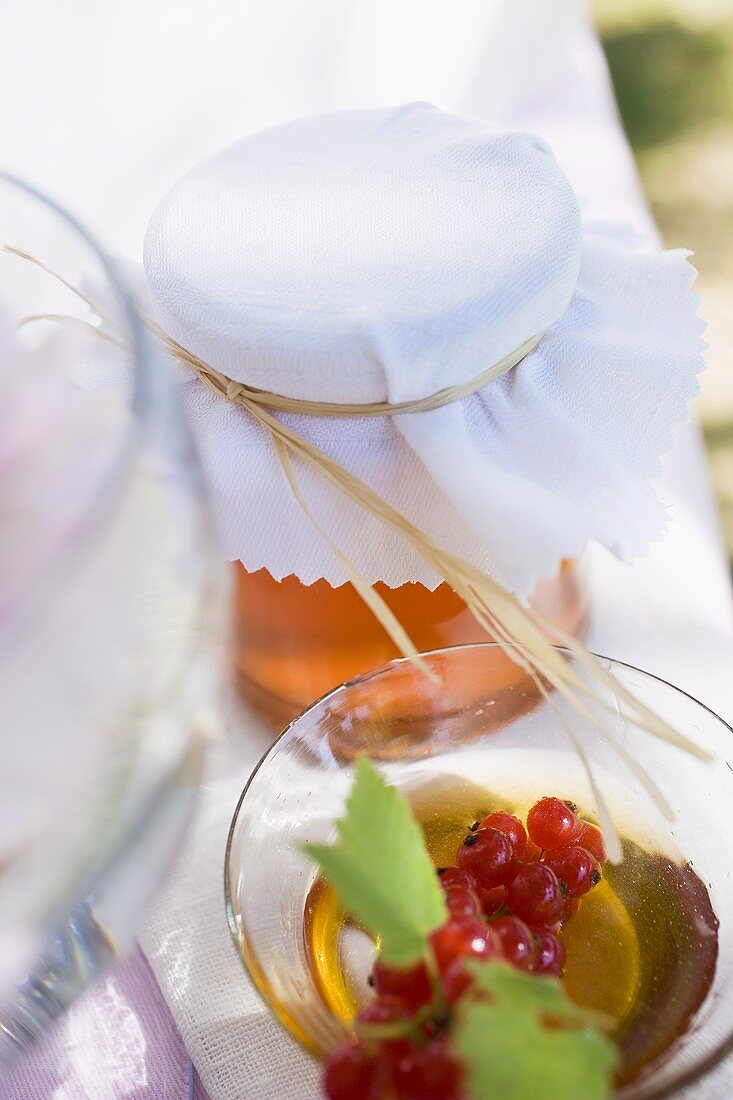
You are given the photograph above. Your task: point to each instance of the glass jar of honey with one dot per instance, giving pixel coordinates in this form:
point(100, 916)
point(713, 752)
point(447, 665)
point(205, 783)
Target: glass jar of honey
point(406, 357)
point(294, 642)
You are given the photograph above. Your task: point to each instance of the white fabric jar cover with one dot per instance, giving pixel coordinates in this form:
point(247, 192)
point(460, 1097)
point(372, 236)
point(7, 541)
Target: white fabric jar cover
point(384, 255)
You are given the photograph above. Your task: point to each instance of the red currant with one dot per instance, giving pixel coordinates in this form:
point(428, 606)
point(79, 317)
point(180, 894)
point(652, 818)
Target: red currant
point(556, 928)
point(388, 1055)
point(572, 905)
point(517, 942)
point(411, 984)
point(552, 823)
point(456, 981)
point(453, 876)
point(461, 938)
point(532, 853)
point(492, 900)
point(591, 838)
point(535, 895)
point(489, 856)
point(462, 903)
point(383, 1010)
point(575, 867)
point(428, 1073)
point(510, 826)
point(550, 954)
point(350, 1074)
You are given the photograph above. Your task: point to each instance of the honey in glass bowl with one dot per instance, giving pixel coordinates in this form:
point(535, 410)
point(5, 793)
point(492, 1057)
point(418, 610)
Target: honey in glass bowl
point(651, 945)
point(641, 948)
point(294, 642)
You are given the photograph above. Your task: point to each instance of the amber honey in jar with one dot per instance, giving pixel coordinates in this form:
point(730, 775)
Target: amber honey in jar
point(294, 642)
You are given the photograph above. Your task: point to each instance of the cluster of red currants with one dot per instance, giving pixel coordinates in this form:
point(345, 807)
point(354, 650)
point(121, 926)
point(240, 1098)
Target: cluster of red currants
point(509, 895)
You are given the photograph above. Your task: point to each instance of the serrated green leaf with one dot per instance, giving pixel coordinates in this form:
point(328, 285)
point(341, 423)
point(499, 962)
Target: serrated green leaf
point(381, 869)
point(512, 1054)
point(535, 994)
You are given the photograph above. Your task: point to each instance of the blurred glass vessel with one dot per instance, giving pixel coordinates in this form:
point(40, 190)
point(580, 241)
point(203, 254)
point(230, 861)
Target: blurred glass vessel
point(660, 964)
point(108, 596)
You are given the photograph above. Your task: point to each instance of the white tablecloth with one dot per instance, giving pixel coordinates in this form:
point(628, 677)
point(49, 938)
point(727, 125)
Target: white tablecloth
point(113, 102)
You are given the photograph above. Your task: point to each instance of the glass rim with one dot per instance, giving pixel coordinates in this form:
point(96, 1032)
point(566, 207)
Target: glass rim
point(666, 1091)
point(107, 493)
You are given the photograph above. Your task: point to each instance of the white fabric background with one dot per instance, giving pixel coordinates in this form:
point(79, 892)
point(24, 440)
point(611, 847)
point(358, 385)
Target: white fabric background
point(108, 102)
point(113, 101)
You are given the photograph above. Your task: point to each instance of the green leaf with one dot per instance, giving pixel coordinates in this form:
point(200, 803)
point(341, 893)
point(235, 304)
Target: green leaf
point(381, 869)
point(528, 1040)
point(543, 996)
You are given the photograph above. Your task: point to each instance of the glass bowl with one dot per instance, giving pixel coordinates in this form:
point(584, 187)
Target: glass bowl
point(463, 730)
